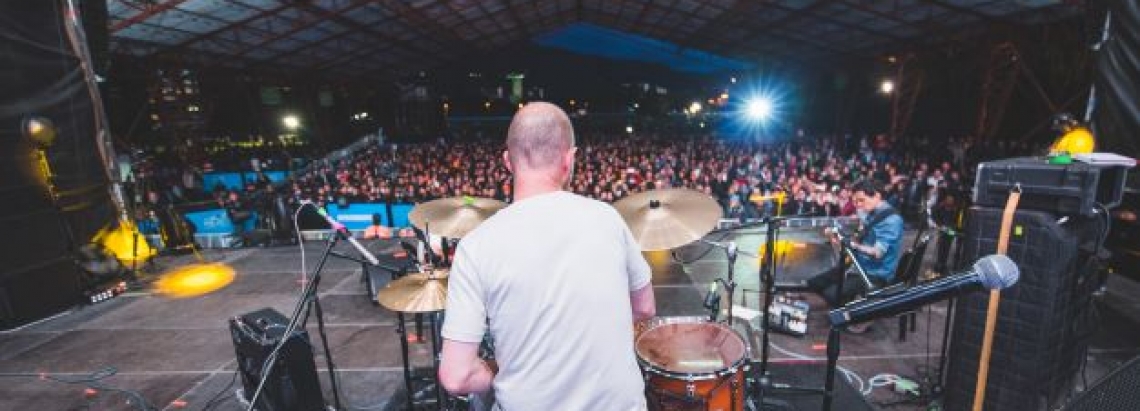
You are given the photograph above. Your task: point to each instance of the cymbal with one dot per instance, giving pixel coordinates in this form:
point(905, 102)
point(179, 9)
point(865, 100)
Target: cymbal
point(669, 218)
point(454, 216)
point(416, 293)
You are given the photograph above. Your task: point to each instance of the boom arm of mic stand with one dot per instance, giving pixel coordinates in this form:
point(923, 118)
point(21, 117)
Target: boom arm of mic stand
point(382, 266)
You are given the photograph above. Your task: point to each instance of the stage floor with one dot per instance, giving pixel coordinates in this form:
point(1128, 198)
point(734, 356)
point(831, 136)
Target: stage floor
point(178, 354)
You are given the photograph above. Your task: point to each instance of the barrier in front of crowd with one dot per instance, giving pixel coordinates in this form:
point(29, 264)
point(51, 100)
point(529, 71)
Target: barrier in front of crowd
point(238, 180)
point(214, 229)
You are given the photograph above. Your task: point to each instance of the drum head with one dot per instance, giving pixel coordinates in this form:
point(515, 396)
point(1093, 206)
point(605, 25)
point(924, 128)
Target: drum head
point(690, 348)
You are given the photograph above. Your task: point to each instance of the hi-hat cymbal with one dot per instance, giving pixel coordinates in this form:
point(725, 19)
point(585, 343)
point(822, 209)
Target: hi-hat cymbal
point(669, 218)
point(454, 216)
point(416, 293)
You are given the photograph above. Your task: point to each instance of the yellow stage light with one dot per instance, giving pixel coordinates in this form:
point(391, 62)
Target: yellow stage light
point(125, 243)
point(1077, 140)
point(194, 280)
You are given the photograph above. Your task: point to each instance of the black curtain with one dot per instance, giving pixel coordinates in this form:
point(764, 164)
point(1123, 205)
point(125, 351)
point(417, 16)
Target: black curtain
point(41, 76)
point(1116, 119)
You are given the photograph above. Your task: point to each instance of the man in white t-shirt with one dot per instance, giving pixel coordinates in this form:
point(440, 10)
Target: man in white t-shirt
point(557, 279)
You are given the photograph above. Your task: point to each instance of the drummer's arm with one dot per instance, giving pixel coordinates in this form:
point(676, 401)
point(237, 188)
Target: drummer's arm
point(643, 302)
point(461, 371)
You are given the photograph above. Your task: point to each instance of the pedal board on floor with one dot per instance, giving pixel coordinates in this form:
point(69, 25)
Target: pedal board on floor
point(789, 316)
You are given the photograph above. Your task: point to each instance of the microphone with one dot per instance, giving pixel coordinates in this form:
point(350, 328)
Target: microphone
point(712, 301)
point(337, 226)
point(990, 272)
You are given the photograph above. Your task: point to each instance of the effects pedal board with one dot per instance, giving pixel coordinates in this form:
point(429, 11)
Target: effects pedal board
point(788, 316)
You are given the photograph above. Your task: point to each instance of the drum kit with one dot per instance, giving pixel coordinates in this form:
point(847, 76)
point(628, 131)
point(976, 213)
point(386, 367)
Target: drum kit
point(689, 363)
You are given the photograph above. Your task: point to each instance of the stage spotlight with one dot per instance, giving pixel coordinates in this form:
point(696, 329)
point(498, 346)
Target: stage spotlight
point(40, 131)
point(758, 109)
point(291, 122)
point(887, 87)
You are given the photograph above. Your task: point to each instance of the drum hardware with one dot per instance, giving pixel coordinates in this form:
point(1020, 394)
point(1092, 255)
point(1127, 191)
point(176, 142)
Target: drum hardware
point(692, 364)
point(668, 218)
point(454, 216)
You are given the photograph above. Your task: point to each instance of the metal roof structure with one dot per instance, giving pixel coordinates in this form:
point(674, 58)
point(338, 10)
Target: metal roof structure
point(391, 38)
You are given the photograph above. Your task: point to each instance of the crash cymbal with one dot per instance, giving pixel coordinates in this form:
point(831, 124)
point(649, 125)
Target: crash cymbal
point(669, 218)
point(454, 216)
point(416, 293)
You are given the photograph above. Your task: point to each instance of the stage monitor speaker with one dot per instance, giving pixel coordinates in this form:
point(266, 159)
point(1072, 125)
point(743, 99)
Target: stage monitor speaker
point(1116, 391)
point(1043, 324)
point(292, 384)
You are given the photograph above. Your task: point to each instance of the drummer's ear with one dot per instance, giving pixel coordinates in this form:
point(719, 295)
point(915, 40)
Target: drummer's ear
point(507, 160)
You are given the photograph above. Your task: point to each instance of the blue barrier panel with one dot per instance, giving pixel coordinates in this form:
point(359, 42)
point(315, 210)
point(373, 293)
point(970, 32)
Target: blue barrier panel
point(358, 216)
point(400, 214)
point(237, 180)
point(215, 221)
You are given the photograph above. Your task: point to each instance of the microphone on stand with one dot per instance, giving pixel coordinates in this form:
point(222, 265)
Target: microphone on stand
point(712, 301)
point(990, 272)
point(339, 228)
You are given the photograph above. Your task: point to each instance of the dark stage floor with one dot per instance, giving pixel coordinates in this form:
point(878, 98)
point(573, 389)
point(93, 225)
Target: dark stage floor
point(177, 353)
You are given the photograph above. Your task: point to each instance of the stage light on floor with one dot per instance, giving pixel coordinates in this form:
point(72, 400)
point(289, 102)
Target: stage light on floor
point(194, 280)
point(126, 243)
point(758, 109)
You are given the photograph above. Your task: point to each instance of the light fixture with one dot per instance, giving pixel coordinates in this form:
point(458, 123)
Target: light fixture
point(887, 87)
point(291, 122)
point(758, 109)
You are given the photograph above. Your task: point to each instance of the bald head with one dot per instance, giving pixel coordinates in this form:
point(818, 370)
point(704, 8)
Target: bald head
point(540, 137)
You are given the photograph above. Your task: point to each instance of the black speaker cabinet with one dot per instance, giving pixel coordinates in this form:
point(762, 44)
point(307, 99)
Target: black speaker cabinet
point(293, 384)
point(1043, 325)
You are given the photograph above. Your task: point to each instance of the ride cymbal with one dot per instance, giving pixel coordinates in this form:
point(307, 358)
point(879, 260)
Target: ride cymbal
point(416, 293)
point(453, 217)
point(669, 218)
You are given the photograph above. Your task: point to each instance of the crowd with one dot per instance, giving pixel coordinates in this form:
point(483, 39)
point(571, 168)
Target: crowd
point(801, 177)
point(797, 176)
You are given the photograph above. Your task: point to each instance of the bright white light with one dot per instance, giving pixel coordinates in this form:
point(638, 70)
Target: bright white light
point(291, 122)
point(695, 107)
point(629, 129)
point(364, 115)
point(887, 87)
point(758, 109)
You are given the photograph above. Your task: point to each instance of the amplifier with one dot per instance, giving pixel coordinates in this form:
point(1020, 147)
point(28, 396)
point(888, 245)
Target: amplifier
point(292, 384)
point(1064, 189)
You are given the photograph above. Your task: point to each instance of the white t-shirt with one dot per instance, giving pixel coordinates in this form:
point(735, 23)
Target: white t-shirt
point(551, 276)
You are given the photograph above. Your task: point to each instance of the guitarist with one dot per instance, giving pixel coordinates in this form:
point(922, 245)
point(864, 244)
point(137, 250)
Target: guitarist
point(877, 246)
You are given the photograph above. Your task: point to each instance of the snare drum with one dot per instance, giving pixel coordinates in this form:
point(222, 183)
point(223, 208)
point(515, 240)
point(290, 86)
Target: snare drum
point(692, 364)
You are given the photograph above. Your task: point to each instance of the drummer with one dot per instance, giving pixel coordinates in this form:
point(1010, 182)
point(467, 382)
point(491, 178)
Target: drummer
point(556, 278)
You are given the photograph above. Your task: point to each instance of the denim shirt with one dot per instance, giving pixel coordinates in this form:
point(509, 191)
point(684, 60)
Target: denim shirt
point(887, 236)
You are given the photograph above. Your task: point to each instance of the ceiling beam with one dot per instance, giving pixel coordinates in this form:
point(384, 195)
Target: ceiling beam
point(150, 11)
point(969, 12)
point(241, 24)
point(427, 27)
point(317, 16)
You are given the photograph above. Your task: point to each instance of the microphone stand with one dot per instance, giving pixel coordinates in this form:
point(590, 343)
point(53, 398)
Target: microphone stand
point(299, 319)
point(731, 252)
point(768, 278)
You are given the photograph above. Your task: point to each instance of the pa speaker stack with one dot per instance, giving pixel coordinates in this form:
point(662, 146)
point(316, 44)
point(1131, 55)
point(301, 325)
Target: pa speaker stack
point(1043, 321)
